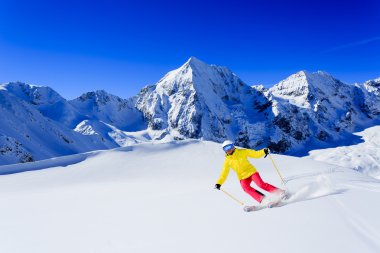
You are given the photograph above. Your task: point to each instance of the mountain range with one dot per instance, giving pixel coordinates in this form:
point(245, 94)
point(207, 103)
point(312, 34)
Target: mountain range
point(303, 112)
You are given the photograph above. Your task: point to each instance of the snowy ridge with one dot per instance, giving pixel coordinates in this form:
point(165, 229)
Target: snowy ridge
point(37, 95)
point(102, 106)
point(108, 117)
point(47, 101)
point(300, 87)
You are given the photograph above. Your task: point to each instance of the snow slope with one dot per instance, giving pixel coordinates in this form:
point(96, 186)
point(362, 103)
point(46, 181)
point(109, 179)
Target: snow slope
point(363, 157)
point(159, 198)
point(26, 134)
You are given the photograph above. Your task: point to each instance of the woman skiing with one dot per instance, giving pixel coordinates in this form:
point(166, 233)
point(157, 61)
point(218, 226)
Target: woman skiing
point(237, 159)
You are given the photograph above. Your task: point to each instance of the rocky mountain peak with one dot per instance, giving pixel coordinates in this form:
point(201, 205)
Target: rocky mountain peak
point(199, 77)
point(195, 63)
point(296, 85)
point(305, 86)
point(195, 101)
point(373, 85)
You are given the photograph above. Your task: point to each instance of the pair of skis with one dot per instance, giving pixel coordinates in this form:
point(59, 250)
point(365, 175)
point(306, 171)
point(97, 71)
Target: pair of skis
point(278, 203)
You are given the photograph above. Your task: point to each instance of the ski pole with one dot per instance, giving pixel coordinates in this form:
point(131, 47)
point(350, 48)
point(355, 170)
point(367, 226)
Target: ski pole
point(241, 203)
point(282, 179)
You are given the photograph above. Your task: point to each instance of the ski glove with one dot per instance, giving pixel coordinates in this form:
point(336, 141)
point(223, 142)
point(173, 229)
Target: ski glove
point(217, 186)
point(266, 151)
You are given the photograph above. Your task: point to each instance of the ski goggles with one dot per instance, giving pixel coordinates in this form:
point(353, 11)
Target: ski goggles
point(228, 147)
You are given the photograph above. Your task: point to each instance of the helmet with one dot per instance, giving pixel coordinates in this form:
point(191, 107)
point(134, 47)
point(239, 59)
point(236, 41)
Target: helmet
point(227, 145)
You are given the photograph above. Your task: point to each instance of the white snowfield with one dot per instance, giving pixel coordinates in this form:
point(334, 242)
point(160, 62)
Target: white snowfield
point(160, 198)
point(363, 157)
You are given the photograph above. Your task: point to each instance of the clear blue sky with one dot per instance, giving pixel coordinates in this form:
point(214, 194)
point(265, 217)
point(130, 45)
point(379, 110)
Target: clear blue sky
point(120, 46)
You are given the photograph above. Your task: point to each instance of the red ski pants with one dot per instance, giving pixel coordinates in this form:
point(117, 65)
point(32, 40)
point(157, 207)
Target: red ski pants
point(246, 185)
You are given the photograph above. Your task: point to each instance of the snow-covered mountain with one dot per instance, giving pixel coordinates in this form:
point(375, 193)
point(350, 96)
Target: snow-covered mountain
point(30, 128)
point(110, 109)
point(47, 101)
point(373, 86)
point(303, 112)
point(109, 116)
point(204, 101)
point(316, 109)
point(371, 90)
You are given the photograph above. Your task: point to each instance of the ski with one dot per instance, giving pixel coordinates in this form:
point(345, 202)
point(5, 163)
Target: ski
point(279, 203)
point(258, 207)
point(253, 208)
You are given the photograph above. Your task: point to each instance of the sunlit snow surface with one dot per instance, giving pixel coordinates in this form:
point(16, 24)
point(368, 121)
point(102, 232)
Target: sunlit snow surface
point(363, 157)
point(160, 198)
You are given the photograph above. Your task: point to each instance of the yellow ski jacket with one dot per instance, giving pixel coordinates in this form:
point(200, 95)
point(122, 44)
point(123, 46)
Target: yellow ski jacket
point(238, 161)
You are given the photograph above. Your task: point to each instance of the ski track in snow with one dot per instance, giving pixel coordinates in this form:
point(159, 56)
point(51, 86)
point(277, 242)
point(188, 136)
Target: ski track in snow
point(323, 186)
